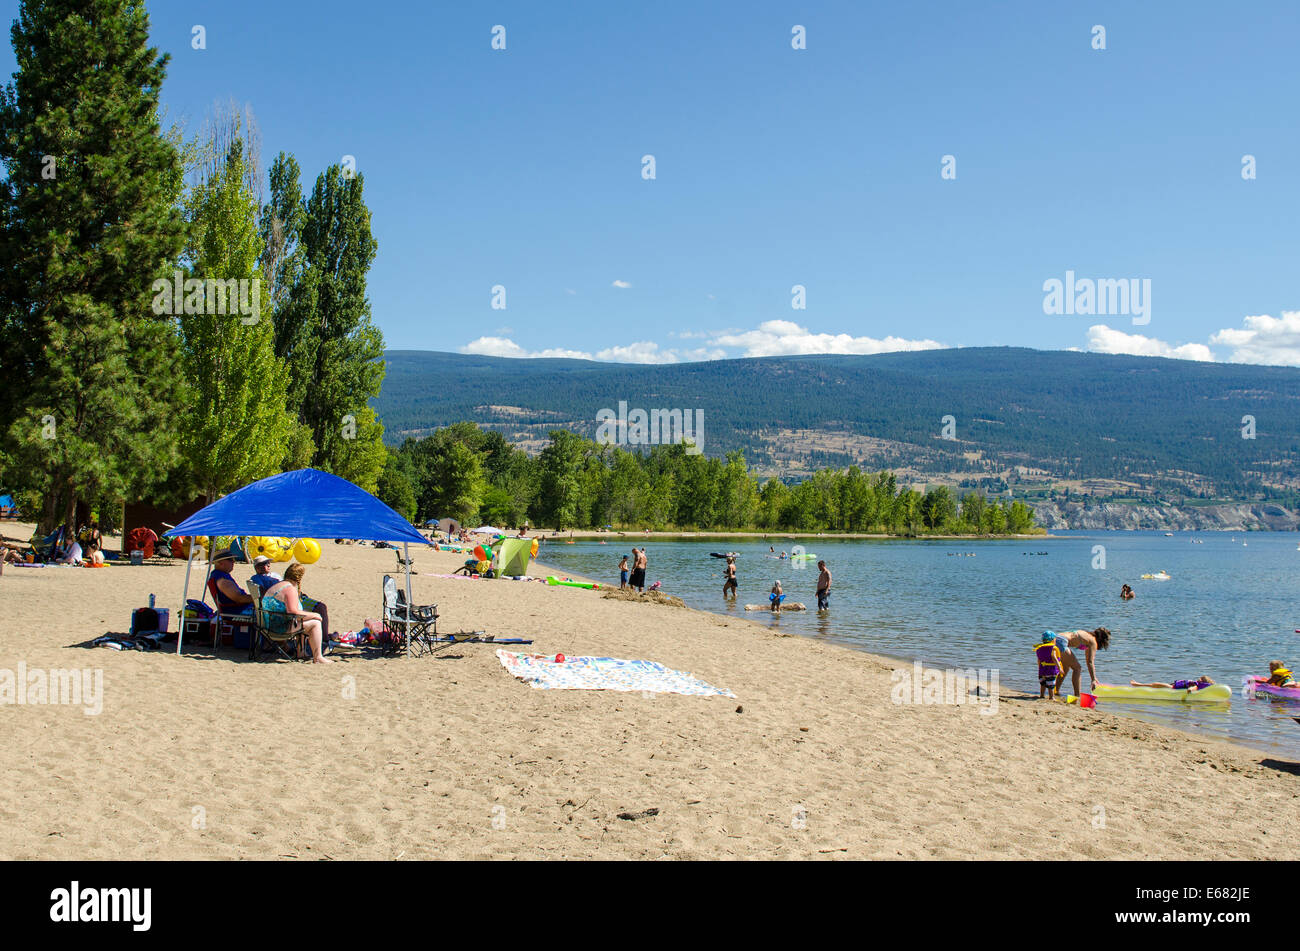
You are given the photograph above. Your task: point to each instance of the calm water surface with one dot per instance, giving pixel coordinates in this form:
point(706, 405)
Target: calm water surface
point(1230, 608)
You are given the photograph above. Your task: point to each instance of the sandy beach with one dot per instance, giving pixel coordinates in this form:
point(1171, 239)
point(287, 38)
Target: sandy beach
point(212, 756)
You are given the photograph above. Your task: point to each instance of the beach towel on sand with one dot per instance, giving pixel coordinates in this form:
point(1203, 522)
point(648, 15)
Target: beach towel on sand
point(603, 673)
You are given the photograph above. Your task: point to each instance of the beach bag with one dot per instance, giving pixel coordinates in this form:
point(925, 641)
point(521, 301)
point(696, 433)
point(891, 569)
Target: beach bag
point(198, 609)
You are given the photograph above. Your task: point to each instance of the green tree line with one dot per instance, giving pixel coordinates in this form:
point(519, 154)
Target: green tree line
point(475, 475)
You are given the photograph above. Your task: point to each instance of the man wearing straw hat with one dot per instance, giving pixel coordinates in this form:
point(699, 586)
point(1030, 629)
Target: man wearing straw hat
point(231, 598)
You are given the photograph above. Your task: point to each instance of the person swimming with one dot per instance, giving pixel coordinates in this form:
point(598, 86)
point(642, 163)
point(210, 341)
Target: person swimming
point(1126, 593)
point(1200, 683)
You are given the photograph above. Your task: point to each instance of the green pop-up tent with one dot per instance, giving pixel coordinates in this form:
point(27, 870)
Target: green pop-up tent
point(512, 557)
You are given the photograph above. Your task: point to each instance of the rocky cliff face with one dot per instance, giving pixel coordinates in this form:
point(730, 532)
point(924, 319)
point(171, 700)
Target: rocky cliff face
point(1235, 517)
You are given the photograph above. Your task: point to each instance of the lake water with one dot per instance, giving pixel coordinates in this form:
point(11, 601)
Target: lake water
point(1231, 606)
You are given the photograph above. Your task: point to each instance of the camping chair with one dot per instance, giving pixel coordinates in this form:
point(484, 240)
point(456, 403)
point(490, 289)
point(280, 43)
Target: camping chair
point(275, 628)
point(415, 625)
point(403, 563)
point(46, 547)
point(228, 622)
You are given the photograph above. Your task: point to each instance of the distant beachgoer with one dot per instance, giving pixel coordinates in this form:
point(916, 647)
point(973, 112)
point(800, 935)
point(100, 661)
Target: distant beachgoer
point(730, 575)
point(1089, 642)
point(1197, 684)
point(622, 573)
point(777, 596)
point(93, 555)
point(823, 587)
point(1126, 593)
point(639, 564)
point(72, 555)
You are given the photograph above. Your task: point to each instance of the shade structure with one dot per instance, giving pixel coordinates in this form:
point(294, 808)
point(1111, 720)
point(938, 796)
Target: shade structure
point(513, 555)
point(305, 503)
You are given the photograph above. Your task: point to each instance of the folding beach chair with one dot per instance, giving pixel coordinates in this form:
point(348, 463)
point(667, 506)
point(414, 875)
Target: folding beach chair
point(274, 629)
point(403, 563)
point(416, 626)
point(228, 622)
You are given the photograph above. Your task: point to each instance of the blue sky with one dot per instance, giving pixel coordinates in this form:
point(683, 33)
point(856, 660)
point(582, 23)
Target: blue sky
point(778, 167)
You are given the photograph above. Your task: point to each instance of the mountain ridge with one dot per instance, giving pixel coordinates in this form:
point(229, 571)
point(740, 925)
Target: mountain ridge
point(1040, 420)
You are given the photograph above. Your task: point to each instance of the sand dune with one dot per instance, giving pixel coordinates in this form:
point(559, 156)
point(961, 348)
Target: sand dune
point(203, 756)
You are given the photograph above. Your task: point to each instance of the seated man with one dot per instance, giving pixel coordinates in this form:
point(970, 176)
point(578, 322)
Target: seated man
point(230, 597)
point(265, 577)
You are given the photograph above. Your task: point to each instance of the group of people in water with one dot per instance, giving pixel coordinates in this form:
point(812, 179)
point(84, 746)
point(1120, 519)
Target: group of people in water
point(731, 585)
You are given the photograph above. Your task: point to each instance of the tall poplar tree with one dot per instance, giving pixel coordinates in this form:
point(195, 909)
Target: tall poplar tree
point(237, 429)
point(319, 252)
point(89, 218)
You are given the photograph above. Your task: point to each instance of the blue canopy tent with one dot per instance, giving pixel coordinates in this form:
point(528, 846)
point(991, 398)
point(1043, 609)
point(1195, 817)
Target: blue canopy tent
point(305, 503)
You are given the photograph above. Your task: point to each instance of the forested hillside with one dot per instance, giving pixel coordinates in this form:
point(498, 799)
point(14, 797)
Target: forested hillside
point(1166, 427)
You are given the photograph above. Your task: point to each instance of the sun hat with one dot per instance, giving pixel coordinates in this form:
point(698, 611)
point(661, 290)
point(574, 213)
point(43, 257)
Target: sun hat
point(261, 560)
point(224, 554)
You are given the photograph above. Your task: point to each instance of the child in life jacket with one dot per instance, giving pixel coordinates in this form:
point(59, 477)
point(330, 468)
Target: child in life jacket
point(1280, 676)
point(1049, 667)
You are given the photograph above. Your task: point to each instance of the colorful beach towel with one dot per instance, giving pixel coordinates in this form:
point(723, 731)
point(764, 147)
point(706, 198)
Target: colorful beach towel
point(604, 673)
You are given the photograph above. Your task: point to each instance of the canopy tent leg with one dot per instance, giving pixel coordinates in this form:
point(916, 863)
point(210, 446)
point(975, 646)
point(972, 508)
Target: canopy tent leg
point(406, 554)
point(180, 615)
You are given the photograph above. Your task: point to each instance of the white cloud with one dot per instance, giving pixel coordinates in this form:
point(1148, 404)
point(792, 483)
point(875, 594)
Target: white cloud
point(772, 338)
point(622, 284)
point(643, 351)
point(503, 347)
point(1264, 339)
point(1103, 339)
point(784, 337)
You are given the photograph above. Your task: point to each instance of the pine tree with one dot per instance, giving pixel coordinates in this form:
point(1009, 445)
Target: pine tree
point(89, 220)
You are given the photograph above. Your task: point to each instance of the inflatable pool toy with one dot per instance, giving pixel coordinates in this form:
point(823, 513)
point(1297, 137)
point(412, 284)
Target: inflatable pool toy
point(1254, 685)
point(1217, 693)
point(589, 585)
point(786, 606)
point(1158, 576)
point(533, 550)
point(803, 557)
point(306, 550)
point(261, 545)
